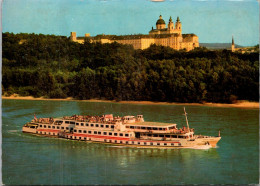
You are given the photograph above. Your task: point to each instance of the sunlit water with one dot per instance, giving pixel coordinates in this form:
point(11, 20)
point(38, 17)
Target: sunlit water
point(29, 159)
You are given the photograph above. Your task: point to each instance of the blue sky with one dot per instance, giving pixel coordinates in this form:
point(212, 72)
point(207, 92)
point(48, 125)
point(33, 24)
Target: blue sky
point(211, 20)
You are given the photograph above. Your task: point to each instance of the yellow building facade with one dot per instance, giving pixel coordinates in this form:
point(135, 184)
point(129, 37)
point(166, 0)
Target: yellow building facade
point(170, 36)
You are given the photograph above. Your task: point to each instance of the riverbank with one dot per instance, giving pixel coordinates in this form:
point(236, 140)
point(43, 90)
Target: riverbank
point(239, 104)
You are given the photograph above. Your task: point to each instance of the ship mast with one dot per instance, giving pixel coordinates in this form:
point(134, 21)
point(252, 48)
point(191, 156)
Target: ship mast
point(185, 113)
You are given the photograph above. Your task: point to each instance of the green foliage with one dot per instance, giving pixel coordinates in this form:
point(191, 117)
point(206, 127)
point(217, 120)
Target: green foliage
point(53, 66)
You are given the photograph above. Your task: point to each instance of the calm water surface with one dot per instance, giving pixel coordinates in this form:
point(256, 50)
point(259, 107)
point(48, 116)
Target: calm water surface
point(29, 159)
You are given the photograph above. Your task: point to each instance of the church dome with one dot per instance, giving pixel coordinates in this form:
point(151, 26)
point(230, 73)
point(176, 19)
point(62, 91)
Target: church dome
point(160, 21)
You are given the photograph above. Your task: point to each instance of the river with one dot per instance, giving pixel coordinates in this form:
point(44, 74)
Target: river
point(28, 159)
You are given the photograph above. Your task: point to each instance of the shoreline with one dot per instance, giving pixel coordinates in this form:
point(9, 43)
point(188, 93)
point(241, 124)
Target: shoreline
point(239, 104)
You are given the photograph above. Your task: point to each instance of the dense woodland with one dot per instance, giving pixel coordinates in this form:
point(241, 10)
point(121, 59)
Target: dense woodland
point(54, 67)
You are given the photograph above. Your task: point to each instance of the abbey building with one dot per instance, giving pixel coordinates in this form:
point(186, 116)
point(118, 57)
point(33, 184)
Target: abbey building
point(170, 36)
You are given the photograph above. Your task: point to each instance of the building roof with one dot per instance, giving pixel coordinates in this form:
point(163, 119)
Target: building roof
point(160, 22)
point(139, 36)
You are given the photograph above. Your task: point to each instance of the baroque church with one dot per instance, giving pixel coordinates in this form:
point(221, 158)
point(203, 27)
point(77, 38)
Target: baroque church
point(170, 36)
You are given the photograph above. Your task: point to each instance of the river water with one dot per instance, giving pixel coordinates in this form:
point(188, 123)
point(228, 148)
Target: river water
point(29, 159)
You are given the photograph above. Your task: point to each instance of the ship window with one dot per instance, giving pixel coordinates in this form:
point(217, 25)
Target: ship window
point(132, 127)
point(149, 128)
point(126, 135)
point(89, 132)
point(138, 127)
point(99, 132)
point(105, 133)
point(44, 126)
point(180, 136)
point(138, 143)
point(80, 131)
point(115, 141)
point(92, 125)
point(127, 127)
point(167, 136)
point(179, 144)
point(67, 128)
point(112, 126)
point(133, 142)
point(86, 124)
point(174, 136)
point(77, 123)
point(85, 138)
point(143, 127)
point(144, 143)
point(120, 141)
point(79, 137)
point(82, 124)
point(165, 143)
point(172, 144)
point(58, 127)
point(40, 125)
point(72, 122)
point(126, 142)
point(49, 127)
point(161, 136)
point(75, 130)
point(160, 128)
point(67, 122)
point(115, 134)
point(53, 127)
point(107, 126)
point(158, 143)
point(151, 143)
point(62, 127)
point(155, 135)
point(84, 131)
point(96, 125)
point(95, 132)
point(101, 125)
point(121, 134)
point(110, 133)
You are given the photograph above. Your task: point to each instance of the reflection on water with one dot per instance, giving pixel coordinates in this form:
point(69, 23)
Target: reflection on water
point(30, 159)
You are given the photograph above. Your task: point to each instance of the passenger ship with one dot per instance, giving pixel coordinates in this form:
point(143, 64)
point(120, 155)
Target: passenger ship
point(127, 131)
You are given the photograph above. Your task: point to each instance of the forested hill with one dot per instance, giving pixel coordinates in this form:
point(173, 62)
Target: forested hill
point(53, 66)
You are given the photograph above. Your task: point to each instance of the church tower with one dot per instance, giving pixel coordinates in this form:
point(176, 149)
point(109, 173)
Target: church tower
point(233, 45)
point(160, 24)
point(170, 24)
point(178, 25)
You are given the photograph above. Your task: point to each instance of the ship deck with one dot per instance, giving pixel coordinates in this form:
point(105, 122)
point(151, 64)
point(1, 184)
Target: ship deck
point(152, 124)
